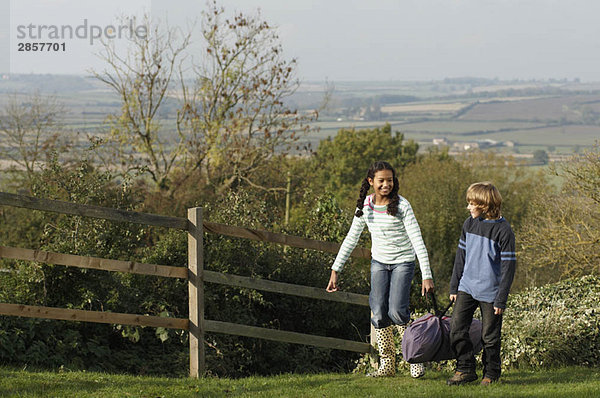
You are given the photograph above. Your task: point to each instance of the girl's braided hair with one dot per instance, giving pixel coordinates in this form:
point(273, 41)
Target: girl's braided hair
point(392, 207)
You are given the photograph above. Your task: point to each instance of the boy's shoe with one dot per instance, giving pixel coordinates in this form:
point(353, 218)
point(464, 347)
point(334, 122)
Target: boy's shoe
point(461, 378)
point(487, 381)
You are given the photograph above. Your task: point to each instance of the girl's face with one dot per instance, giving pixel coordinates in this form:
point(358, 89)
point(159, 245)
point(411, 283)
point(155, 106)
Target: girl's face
point(474, 210)
point(382, 182)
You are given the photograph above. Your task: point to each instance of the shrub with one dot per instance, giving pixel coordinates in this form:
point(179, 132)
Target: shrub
point(80, 345)
point(554, 325)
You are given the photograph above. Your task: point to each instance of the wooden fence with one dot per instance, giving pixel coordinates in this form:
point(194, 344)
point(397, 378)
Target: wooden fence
point(196, 324)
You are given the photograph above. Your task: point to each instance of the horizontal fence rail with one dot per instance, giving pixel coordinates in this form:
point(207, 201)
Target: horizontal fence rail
point(288, 240)
point(286, 337)
point(103, 264)
point(111, 214)
point(92, 262)
point(65, 314)
point(285, 288)
point(105, 213)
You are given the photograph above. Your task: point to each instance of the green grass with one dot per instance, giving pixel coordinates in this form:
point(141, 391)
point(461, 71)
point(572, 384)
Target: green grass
point(565, 382)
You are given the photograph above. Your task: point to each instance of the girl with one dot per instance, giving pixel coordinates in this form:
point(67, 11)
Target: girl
point(395, 238)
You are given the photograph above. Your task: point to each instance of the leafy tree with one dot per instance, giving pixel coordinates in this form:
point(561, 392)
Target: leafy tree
point(341, 163)
point(148, 350)
point(540, 156)
point(561, 236)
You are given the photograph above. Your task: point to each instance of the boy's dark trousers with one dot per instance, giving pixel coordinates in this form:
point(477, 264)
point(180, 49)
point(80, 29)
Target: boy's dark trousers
point(460, 323)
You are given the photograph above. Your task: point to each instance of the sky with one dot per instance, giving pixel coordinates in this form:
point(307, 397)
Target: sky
point(352, 40)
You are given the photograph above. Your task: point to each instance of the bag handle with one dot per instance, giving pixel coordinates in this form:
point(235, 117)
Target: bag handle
point(436, 311)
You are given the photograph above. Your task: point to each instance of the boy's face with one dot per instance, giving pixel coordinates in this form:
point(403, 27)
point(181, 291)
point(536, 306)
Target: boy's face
point(474, 209)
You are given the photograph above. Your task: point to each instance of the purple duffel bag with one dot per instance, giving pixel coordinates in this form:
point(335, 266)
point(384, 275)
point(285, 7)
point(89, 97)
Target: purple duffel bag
point(427, 339)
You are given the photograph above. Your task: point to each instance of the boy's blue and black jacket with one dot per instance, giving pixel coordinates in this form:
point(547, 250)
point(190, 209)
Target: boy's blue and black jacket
point(485, 260)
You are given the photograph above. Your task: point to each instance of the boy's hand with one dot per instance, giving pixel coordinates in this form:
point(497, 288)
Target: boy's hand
point(498, 311)
point(427, 286)
point(453, 297)
point(332, 285)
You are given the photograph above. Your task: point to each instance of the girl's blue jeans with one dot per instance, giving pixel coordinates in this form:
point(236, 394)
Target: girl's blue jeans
point(390, 293)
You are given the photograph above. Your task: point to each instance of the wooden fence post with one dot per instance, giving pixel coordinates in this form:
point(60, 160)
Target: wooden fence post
point(196, 291)
point(373, 357)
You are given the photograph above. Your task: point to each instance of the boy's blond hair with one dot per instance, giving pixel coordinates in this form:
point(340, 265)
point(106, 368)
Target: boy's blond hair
point(485, 196)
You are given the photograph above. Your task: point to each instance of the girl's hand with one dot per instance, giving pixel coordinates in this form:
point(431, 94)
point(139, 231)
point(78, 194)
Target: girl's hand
point(453, 297)
point(498, 311)
point(427, 286)
point(332, 286)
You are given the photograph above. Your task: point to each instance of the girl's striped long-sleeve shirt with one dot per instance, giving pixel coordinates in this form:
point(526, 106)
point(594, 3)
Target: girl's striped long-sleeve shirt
point(394, 239)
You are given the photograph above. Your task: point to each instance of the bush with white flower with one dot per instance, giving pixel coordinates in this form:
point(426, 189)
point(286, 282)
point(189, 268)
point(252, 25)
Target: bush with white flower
point(553, 325)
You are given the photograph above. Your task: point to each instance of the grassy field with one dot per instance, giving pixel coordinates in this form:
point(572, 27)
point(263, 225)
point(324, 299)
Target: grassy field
point(440, 107)
point(558, 136)
point(548, 109)
point(565, 382)
point(464, 127)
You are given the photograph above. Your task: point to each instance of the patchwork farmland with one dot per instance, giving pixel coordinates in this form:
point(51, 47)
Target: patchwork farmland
point(562, 123)
point(508, 117)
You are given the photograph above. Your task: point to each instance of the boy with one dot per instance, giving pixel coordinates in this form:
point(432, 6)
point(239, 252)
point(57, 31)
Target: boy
point(483, 272)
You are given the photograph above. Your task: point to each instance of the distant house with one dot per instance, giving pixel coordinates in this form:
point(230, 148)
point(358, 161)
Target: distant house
point(465, 146)
point(509, 144)
point(440, 141)
point(5, 77)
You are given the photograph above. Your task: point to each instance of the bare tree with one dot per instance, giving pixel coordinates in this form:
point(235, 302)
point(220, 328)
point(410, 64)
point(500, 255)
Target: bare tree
point(143, 78)
point(234, 117)
point(30, 131)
